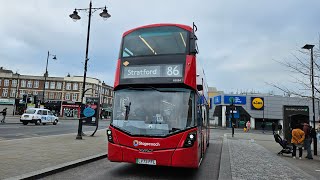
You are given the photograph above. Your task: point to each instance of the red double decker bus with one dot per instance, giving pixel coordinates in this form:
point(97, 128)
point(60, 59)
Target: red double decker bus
point(160, 108)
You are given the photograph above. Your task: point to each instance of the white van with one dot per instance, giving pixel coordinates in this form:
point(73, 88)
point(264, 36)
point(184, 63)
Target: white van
point(38, 116)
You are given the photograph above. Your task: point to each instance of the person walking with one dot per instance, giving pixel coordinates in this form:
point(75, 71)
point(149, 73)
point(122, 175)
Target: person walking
point(4, 113)
point(279, 129)
point(248, 124)
point(307, 140)
point(318, 133)
point(273, 125)
point(263, 125)
point(297, 141)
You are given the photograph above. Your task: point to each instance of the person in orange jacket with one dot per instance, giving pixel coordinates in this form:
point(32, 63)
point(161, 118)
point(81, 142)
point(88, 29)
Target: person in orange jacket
point(297, 141)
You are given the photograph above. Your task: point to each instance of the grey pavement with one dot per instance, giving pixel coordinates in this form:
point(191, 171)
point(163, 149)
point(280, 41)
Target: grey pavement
point(21, 157)
point(246, 156)
point(254, 156)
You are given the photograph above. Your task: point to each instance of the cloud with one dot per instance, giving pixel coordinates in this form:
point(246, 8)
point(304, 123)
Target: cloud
point(238, 40)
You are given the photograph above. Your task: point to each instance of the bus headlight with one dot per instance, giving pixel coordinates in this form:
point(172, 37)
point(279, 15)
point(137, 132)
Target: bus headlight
point(109, 134)
point(191, 138)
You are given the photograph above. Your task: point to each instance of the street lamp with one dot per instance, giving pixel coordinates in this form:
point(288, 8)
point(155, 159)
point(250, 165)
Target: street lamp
point(233, 108)
point(16, 94)
point(310, 47)
point(105, 15)
point(46, 74)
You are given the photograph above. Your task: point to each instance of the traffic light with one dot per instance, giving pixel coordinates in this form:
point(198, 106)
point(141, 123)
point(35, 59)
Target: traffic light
point(35, 100)
point(16, 101)
point(25, 98)
point(29, 99)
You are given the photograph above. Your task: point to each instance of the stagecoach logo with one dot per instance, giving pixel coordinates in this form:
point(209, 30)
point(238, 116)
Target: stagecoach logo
point(126, 63)
point(137, 143)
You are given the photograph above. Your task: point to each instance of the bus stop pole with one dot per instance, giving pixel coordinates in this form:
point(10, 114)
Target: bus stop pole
point(232, 118)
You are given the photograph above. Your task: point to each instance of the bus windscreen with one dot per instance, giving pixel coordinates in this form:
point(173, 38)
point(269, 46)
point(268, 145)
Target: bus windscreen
point(155, 41)
point(153, 112)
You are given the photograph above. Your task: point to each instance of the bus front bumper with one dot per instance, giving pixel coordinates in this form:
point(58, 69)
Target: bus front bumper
point(180, 157)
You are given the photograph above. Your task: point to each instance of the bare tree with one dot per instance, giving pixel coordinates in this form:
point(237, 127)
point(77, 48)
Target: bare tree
point(300, 68)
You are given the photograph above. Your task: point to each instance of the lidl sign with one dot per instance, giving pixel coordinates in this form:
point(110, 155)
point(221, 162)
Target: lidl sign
point(257, 103)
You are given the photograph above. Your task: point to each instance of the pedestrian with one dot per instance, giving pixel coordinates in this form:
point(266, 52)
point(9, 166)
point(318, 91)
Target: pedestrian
point(4, 113)
point(273, 125)
point(307, 140)
point(248, 126)
point(279, 129)
point(263, 125)
point(318, 133)
point(297, 140)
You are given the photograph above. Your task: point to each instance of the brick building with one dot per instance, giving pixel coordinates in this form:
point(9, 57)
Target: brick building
point(62, 94)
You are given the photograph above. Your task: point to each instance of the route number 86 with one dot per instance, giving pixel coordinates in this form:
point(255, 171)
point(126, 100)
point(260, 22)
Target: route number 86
point(173, 70)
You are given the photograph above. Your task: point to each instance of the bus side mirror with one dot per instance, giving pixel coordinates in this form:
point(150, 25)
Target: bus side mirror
point(193, 44)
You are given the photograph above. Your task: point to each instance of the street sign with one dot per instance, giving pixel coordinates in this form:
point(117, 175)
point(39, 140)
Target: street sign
point(88, 112)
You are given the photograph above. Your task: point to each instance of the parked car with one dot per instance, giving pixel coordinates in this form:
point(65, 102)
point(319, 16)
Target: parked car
point(38, 116)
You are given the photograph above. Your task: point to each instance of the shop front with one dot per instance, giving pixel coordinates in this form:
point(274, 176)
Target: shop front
point(7, 103)
point(54, 106)
point(106, 111)
point(71, 109)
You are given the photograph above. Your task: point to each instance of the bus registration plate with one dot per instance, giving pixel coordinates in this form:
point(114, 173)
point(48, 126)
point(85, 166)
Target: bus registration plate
point(146, 161)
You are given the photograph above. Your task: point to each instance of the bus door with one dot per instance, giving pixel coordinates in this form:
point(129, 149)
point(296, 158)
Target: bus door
point(204, 128)
point(200, 133)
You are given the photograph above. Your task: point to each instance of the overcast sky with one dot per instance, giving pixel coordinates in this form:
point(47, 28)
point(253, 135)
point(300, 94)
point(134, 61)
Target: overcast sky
point(239, 40)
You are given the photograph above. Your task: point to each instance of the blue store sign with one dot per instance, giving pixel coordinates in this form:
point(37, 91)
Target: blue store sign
point(235, 99)
point(217, 99)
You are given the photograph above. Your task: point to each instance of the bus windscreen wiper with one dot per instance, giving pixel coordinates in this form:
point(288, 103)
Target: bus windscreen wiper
point(127, 106)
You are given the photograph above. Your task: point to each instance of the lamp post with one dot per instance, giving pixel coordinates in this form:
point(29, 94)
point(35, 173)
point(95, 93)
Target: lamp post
point(232, 107)
point(310, 47)
point(46, 74)
point(105, 15)
point(16, 94)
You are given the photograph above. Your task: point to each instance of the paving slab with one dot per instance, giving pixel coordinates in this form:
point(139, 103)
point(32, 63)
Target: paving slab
point(21, 156)
point(254, 156)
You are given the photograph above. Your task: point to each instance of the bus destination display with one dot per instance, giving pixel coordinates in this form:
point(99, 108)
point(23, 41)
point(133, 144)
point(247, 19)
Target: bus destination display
point(152, 71)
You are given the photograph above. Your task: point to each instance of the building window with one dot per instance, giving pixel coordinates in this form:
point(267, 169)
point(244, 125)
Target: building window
point(6, 83)
point(67, 97)
point(14, 83)
point(0, 82)
point(23, 83)
point(35, 92)
point(47, 85)
point(52, 85)
point(36, 84)
point(59, 85)
point(51, 95)
point(75, 86)
point(29, 85)
point(74, 97)
point(4, 92)
point(68, 86)
point(46, 95)
point(22, 92)
point(58, 95)
point(13, 93)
